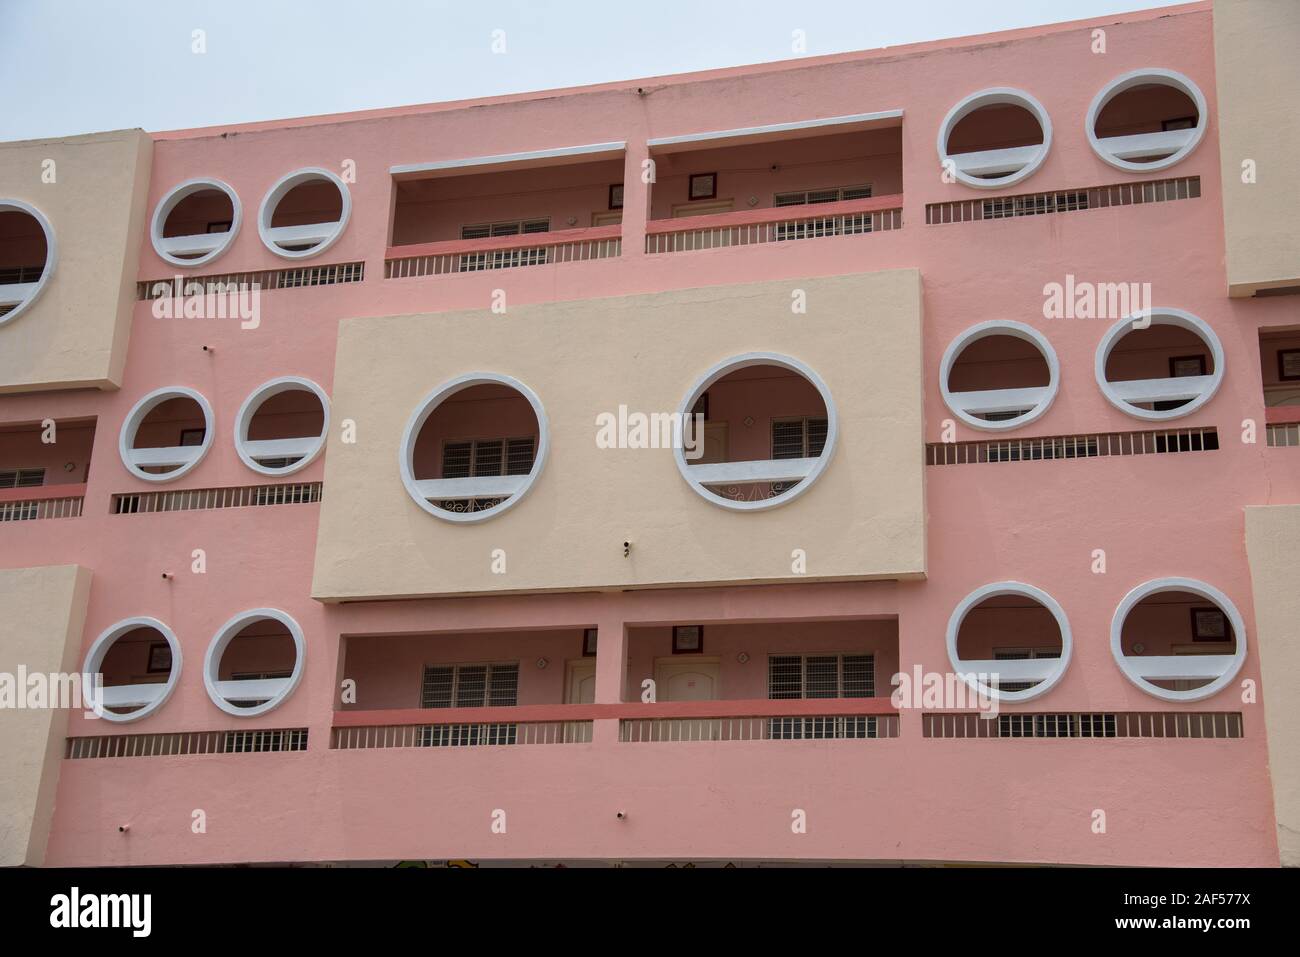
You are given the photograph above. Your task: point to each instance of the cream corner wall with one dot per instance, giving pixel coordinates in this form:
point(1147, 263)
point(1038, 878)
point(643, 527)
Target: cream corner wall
point(1258, 71)
point(75, 335)
point(864, 518)
point(1272, 543)
point(40, 630)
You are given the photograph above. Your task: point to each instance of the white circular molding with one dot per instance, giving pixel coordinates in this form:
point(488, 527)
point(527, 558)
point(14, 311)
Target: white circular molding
point(969, 670)
point(406, 452)
point(325, 234)
point(1122, 395)
point(249, 452)
point(1028, 163)
point(214, 243)
point(1138, 668)
point(30, 295)
point(184, 457)
point(227, 633)
point(99, 651)
point(735, 364)
point(1180, 142)
point(965, 404)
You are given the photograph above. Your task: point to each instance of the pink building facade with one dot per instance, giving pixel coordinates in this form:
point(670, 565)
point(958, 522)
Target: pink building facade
point(366, 582)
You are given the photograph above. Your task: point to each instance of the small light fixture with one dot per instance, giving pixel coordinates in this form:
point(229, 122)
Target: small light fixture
point(749, 421)
point(542, 663)
point(743, 657)
point(752, 201)
point(1139, 648)
point(627, 549)
point(572, 220)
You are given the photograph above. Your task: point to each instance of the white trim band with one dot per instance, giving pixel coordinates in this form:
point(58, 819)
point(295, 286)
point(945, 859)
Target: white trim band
point(746, 132)
point(506, 159)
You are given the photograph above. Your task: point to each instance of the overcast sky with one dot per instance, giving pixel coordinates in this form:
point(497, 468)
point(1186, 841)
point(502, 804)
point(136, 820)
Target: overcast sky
point(77, 66)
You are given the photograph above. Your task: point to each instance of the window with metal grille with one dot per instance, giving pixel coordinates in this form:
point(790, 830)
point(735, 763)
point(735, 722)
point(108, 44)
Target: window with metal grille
point(470, 686)
point(1056, 725)
point(821, 676)
point(833, 194)
point(289, 739)
point(797, 439)
point(22, 478)
point(1021, 654)
point(513, 228)
point(479, 457)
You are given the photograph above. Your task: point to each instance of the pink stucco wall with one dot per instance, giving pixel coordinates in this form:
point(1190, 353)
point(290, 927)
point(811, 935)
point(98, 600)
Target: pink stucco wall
point(1167, 801)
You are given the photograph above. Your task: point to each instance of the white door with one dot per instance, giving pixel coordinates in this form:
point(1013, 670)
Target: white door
point(688, 679)
point(580, 688)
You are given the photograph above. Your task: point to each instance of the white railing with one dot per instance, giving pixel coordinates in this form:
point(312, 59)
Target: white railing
point(33, 509)
point(476, 734)
point(803, 728)
point(183, 500)
point(186, 742)
point(753, 227)
point(504, 252)
point(1135, 724)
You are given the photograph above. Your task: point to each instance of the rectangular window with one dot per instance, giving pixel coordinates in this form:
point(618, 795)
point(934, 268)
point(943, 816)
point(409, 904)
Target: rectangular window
point(1021, 654)
point(469, 686)
point(503, 258)
point(821, 676)
point(811, 197)
point(480, 457)
point(22, 478)
point(800, 438)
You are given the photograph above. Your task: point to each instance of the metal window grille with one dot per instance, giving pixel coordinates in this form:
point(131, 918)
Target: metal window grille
point(186, 742)
point(1136, 724)
point(1063, 201)
point(22, 478)
point(479, 457)
point(266, 279)
point(1200, 439)
point(244, 496)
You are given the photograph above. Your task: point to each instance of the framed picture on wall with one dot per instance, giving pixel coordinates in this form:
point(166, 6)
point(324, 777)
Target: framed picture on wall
point(192, 436)
point(589, 643)
point(1288, 364)
point(615, 195)
point(703, 186)
point(1209, 624)
point(160, 658)
point(1178, 123)
point(688, 639)
point(220, 226)
point(1180, 366)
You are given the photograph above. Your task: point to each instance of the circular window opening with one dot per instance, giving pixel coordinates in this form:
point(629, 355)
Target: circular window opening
point(999, 375)
point(1178, 639)
point(474, 447)
point(1009, 641)
point(166, 434)
point(1161, 370)
point(140, 661)
point(304, 213)
point(768, 431)
point(995, 138)
point(27, 255)
point(1146, 120)
point(195, 222)
point(282, 426)
point(254, 662)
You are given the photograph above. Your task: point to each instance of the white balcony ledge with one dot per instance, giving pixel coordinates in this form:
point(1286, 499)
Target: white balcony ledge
point(175, 455)
point(1158, 145)
point(302, 235)
point(282, 448)
point(1017, 669)
point(197, 245)
point(483, 486)
point(11, 294)
point(1179, 667)
point(997, 162)
point(759, 470)
point(252, 689)
point(131, 696)
point(987, 401)
point(1182, 388)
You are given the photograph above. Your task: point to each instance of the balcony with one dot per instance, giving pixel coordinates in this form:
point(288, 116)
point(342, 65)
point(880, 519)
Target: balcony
point(506, 212)
point(815, 180)
point(43, 469)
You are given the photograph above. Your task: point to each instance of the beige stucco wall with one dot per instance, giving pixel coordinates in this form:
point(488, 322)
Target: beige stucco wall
point(76, 334)
point(44, 613)
point(864, 518)
point(1272, 542)
point(1255, 44)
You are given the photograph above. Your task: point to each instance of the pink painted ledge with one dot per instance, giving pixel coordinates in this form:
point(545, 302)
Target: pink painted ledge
point(1282, 414)
point(534, 713)
point(556, 237)
point(42, 492)
point(774, 214)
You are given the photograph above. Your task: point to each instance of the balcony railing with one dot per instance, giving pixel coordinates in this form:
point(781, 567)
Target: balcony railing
point(51, 501)
point(742, 720)
point(775, 225)
point(503, 252)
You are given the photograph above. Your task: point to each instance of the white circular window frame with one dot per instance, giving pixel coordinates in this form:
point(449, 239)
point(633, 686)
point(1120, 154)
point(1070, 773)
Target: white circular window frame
point(746, 361)
point(173, 199)
point(51, 255)
point(1144, 77)
point(997, 590)
point(277, 192)
point(995, 96)
point(221, 641)
point(134, 419)
point(985, 330)
point(406, 452)
point(1159, 317)
point(1201, 590)
point(104, 643)
point(268, 390)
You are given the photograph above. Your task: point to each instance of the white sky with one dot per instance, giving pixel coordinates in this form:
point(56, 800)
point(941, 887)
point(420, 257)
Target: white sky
point(77, 66)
